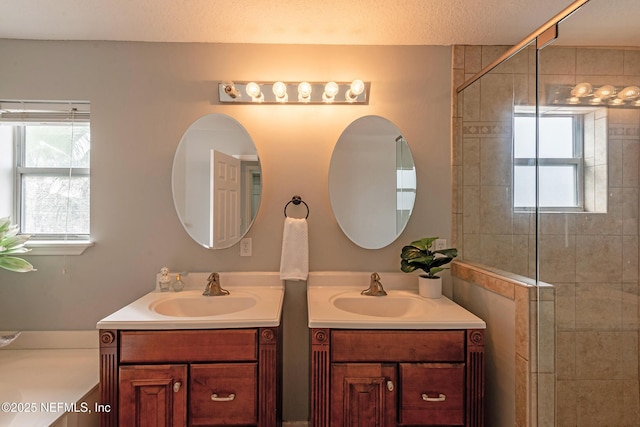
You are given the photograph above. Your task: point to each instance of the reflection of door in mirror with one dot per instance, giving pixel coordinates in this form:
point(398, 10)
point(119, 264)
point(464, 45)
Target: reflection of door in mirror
point(225, 209)
point(216, 181)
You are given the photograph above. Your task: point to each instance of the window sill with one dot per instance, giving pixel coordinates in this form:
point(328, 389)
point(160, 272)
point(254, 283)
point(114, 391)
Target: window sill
point(58, 247)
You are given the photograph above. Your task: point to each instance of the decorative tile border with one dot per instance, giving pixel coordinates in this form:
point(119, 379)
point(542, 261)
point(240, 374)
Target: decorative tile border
point(486, 129)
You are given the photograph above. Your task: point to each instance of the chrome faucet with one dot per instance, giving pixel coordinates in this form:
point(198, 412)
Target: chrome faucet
point(213, 287)
point(375, 287)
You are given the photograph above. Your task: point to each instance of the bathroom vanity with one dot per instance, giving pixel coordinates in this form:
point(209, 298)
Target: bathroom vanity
point(396, 360)
point(186, 359)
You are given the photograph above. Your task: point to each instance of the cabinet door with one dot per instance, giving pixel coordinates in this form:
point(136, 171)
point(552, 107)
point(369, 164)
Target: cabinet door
point(223, 394)
point(363, 394)
point(432, 394)
point(153, 395)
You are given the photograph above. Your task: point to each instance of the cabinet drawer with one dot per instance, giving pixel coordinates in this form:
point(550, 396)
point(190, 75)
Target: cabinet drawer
point(393, 346)
point(223, 394)
point(432, 394)
point(188, 346)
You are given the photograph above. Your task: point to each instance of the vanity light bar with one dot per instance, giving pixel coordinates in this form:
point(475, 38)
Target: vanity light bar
point(312, 93)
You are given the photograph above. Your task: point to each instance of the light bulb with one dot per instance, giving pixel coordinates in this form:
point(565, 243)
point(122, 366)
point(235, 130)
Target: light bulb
point(304, 92)
point(330, 91)
point(581, 90)
point(280, 91)
point(253, 90)
point(629, 92)
point(604, 92)
point(357, 87)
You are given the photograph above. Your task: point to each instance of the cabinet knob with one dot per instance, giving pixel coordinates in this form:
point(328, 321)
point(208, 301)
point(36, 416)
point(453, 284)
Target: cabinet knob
point(441, 398)
point(217, 398)
point(176, 386)
point(390, 385)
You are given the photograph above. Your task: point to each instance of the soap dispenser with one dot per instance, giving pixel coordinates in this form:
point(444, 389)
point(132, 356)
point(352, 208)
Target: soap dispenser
point(164, 281)
point(178, 285)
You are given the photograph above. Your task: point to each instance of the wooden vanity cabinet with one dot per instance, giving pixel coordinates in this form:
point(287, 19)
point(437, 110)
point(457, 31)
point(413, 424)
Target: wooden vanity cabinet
point(397, 378)
point(222, 377)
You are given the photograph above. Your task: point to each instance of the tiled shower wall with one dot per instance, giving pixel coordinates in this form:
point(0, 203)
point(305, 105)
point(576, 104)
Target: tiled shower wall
point(590, 258)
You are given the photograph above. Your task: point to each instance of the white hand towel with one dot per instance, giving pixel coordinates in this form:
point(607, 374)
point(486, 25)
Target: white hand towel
point(294, 261)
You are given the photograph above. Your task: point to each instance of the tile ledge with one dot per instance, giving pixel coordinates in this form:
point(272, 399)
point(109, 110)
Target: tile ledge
point(493, 279)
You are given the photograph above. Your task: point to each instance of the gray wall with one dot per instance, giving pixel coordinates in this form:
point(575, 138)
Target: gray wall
point(144, 96)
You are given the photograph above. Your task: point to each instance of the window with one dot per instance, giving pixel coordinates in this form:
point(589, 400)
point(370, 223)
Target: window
point(560, 161)
point(47, 189)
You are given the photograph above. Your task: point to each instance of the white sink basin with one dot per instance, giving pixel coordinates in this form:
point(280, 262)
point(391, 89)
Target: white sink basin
point(199, 306)
point(334, 301)
point(394, 306)
point(255, 300)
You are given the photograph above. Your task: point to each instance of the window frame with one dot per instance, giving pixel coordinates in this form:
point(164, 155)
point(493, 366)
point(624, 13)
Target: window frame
point(18, 115)
point(577, 161)
point(21, 171)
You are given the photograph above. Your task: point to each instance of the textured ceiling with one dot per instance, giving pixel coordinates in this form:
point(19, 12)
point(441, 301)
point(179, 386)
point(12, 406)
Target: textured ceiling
point(359, 22)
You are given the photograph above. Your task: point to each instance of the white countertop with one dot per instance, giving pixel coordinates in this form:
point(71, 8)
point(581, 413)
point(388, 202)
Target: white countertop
point(265, 288)
point(415, 312)
point(36, 383)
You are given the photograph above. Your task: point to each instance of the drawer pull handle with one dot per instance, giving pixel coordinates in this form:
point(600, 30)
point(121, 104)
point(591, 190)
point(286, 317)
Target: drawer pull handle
point(229, 398)
point(176, 386)
point(390, 385)
point(441, 398)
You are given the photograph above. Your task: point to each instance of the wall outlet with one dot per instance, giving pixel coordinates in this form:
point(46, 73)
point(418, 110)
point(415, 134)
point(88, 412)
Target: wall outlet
point(245, 246)
point(440, 244)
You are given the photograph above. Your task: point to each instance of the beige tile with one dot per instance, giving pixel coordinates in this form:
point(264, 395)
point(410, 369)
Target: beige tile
point(546, 337)
point(471, 102)
point(497, 100)
point(472, 59)
point(566, 403)
point(632, 62)
point(557, 60)
point(557, 255)
point(496, 160)
point(630, 306)
point(497, 251)
point(599, 355)
point(566, 356)
point(491, 53)
point(599, 404)
point(599, 306)
point(615, 165)
point(630, 355)
point(546, 395)
point(471, 209)
point(495, 210)
point(631, 401)
point(471, 161)
point(557, 223)
point(630, 153)
point(605, 248)
point(630, 202)
point(566, 306)
point(458, 56)
point(599, 61)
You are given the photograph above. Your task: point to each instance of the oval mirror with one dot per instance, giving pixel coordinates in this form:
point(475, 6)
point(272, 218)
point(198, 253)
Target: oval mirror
point(216, 181)
point(372, 182)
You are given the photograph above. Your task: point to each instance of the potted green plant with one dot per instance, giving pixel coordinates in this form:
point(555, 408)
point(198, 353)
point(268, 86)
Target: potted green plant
point(11, 244)
point(420, 255)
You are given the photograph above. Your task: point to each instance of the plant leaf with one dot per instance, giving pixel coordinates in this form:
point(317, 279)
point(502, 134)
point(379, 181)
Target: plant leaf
point(5, 222)
point(15, 264)
point(425, 243)
point(411, 252)
point(406, 267)
point(451, 252)
point(435, 270)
